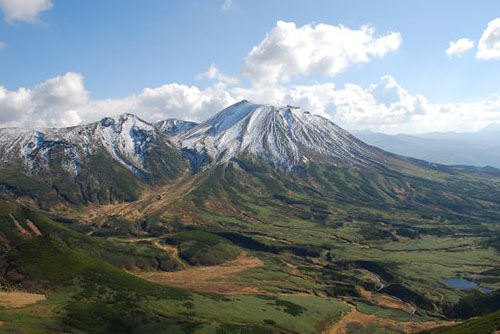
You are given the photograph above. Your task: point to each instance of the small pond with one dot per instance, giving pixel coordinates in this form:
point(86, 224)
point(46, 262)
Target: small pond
point(460, 283)
point(464, 284)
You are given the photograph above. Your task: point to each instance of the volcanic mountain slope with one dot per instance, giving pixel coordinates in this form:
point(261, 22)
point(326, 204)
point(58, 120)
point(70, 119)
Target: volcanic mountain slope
point(101, 162)
point(116, 159)
point(284, 137)
point(291, 160)
point(258, 147)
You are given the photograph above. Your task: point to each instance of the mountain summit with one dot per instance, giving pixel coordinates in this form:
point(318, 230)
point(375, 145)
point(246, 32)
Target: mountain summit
point(283, 136)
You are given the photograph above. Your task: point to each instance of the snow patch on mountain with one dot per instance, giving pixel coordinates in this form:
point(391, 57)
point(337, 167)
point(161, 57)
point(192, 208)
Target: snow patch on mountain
point(173, 126)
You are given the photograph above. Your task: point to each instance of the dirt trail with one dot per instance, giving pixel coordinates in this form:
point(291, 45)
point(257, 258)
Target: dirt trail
point(173, 251)
point(210, 278)
point(133, 240)
point(4, 241)
point(24, 233)
point(15, 299)
point(354, 316)
point(374, 278)
point(381, 299)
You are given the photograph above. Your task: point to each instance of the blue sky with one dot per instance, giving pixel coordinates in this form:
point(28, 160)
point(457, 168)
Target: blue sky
point(120, 47)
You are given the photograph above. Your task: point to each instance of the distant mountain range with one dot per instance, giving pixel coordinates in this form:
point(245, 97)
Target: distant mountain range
point(480, 148)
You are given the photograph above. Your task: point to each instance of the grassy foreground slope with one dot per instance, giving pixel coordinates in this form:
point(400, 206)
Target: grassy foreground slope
point(487, 324)
point(87, 294)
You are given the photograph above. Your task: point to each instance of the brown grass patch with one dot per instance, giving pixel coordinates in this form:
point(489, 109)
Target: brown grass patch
point(354, 316)
point(15, 299)
point(209, 278)
point(386, 301)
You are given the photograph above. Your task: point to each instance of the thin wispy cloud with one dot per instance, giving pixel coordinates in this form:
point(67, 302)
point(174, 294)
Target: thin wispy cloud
point(213, 73)
point(227, 5)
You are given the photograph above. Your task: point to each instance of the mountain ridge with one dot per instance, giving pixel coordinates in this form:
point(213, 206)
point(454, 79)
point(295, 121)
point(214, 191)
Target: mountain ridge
point(117, 158)
point(284, 136)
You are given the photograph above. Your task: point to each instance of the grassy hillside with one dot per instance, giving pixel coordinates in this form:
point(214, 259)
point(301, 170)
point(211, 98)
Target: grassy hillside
point(487, 324)
point(87, 294)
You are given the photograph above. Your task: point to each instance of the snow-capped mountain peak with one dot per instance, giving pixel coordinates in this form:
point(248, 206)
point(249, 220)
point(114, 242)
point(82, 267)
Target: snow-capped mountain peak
point(284, 136)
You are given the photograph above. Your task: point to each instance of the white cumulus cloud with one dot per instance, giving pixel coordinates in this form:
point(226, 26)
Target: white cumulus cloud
point(384, 106)
point(167, 101)
point(387, 107)
point(288, 50)
point(489, 44)
point(459, 46)
point(54, 102)
point(64, 101)
point(24, 10)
